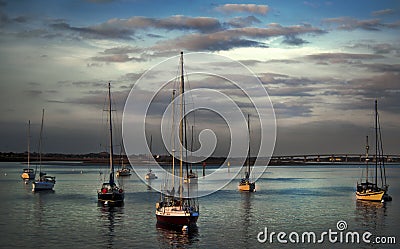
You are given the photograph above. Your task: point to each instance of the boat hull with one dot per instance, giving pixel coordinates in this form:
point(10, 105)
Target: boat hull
point(40, 186)
point(248, 187)
point(177, 219)
point(150, 177)
point(193, 180)
point(123, 174)
point(115, 198)
point(370, 195)
point(28, 176)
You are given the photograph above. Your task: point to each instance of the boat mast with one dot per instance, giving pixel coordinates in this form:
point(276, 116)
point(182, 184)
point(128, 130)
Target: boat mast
point(151, 149)
point(191, 151)
point(40, 144)
point(383, 176)
point(376, 143)
point(366, 158)
point(29, 138)
point(248, 158)
point(111, 137)
point(181, 132)
point(173, 139)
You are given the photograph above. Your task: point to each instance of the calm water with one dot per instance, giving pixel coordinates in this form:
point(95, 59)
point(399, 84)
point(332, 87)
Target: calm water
point(288, 199)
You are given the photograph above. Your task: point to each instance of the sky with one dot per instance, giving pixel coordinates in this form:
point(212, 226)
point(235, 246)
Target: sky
point(323, 63)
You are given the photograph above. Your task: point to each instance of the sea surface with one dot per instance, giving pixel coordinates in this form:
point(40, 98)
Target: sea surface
point(293, 199)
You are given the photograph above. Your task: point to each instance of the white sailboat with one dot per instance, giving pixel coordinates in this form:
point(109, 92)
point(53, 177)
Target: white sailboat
point(28, 173)
point(150, 175)
point(124, 170)
point(191, 176)
point(44, 182)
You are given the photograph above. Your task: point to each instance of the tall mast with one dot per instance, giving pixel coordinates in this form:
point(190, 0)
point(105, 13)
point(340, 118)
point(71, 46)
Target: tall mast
point(111, 137)
point(181, 123)
point(173, 139)
point(191, 151)
point(29, 138)
point(40, 143)
point(376, 142)
point(366, 158)
point(151, 149)
point(248, 159)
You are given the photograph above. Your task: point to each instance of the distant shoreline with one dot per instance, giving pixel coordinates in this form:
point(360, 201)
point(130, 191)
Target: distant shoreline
point(103, 158)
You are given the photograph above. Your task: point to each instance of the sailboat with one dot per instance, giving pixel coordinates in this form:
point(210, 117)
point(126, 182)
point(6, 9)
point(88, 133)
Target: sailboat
point(181, 211)
point(110, 193)
point(44, 182)
point(191, 177)
point(245, 183)
point(28, 173)
point(150, 175)
point(370, 191)
point(124, 170)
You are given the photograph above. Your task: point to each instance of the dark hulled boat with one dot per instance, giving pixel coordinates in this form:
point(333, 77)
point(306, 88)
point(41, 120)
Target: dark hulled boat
point(110, 193)
point(183, 211)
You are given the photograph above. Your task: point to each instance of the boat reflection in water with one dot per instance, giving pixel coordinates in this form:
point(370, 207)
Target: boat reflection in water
point(111, 215)
point(247, 215)
point(372, 214)
point(176, 238)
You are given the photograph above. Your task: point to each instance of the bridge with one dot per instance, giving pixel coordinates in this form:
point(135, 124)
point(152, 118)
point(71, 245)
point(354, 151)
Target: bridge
point(330, 158)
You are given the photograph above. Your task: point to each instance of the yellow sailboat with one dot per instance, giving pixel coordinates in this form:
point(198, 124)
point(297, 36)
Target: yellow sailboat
point(370, 191)
point(245, 183)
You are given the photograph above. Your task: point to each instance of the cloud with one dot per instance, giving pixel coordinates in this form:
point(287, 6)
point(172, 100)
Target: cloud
point(284, 61)
point(383, 12)
point(343, 137)
point(381, 67)
point(342, 58)
point(116, 58)
point(232, 38)
point(211, 42)
point(251, 8)
point(33, 93)
point(378, 48)
point(101, 31)
point(293, 40)
point(126, 28)
point(292, 109)
point(122, 50)
point(348, 23)
point(240, 22)
point(360, 92)
point(177, 22)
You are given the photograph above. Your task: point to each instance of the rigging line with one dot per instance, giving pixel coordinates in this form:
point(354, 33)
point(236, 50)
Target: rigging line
point(383, 158)
point(40, 144)
point(376, 143)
